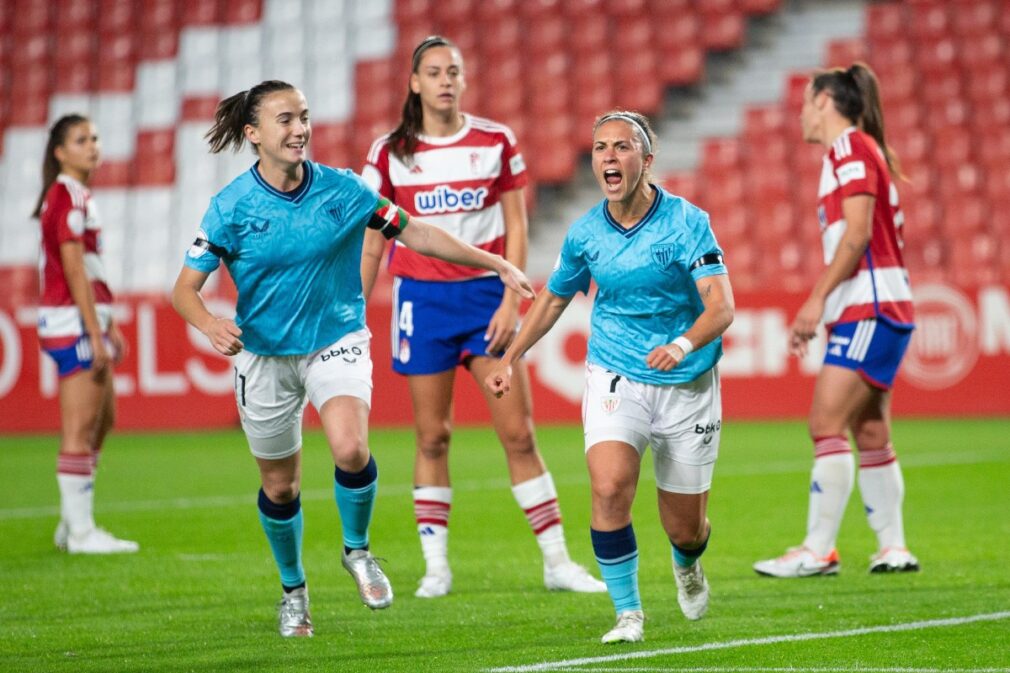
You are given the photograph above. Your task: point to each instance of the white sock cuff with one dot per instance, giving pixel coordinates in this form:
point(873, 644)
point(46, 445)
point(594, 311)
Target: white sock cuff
point(535, 491)
point(433, 493)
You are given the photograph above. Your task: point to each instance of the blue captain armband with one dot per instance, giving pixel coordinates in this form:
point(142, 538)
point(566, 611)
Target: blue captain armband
point(388, 218)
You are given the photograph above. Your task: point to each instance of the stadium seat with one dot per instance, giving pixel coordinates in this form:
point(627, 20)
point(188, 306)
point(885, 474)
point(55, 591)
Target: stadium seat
point(843, 53)
point(722, 28)
point(157, 148)
point(238, 12)
point(588, 33)
point(980, 51)
point(682, 183)
point(759, 7)
point(928, 19)
point(490, 11)
point(977, 18)
point(500, 36)
point(885, 21)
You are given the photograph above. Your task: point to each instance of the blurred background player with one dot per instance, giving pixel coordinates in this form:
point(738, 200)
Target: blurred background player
point(290, 232)
point(662, 303)
point(466, 175)
point(865, 301)
point(76, 328)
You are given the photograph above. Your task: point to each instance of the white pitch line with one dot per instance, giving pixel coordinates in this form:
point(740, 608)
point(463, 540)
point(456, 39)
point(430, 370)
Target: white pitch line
point(781, 669)
point(798, 637)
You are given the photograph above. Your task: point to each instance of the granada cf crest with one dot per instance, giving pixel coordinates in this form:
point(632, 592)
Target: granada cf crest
point(609, 403)
point(404, 353)
point(664, 254)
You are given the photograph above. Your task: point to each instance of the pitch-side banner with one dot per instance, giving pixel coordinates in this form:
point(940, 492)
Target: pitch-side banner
point(958, 364)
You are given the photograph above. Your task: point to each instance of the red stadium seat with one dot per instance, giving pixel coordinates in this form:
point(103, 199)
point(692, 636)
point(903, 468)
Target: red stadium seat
point(203, 13)
point(988, 84)
point(589, 33)
point(489, 11)
point(626, 8)
point(722, 31)
point(981, 51)
point(638, 85)
point(758, 7)
point(631, 33)
point(681, 183)
point(117, 17)
point(843, 53)
point(411, 11)
point(536, 10)
point(994, 151)
point(721, 153)
point(30, 18)
point(330, 144)
point(451, 11)
point(545, 36)
point(928, 19)
point(976, 18)
point(242, 11)
point(761, 120)
point(74, 13)
point(500, 36)
point(937, 56)
point(885, 21)
point(942, 87)
point(157, 148)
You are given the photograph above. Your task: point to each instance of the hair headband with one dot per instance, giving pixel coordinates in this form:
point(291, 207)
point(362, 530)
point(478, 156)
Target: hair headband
point(634, 122)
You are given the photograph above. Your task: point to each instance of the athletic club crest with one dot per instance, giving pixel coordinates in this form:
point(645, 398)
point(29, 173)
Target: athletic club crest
point(609, 403)
point(474, 163)
point(664, 255)
point(404, 353)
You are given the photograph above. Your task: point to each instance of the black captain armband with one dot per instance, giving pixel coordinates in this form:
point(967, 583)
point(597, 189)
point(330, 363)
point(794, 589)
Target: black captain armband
point(388, 218)
point(706, 260)
point(201, 245)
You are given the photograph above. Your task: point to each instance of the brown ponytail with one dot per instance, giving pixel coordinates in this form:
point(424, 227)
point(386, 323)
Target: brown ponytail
point(403, 140)
point(856, 94)
point(234, 112)
point(50, 164)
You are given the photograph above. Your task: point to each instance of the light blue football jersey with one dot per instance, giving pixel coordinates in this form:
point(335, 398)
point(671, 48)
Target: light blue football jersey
point(295, 257)
point(646, 293)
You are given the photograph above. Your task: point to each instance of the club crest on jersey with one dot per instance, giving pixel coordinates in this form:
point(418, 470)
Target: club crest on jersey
point(445, 199)
point(404, 352)
point(475, 163)
point(609, 403)
point(664, 254)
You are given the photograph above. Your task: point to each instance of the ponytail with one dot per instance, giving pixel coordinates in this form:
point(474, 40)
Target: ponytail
point(50, 164)
point(403, 140)
point(856, 94)
point(234, 112)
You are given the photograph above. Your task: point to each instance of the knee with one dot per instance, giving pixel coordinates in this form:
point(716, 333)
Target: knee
point(689, 536)
point(281, 489)
point(350, 452)
point(871, 439)
point(519, 439)
point(610, 492)
point(433, 444)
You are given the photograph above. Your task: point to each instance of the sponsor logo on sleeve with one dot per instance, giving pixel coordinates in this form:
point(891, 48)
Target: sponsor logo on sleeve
point(854, 170)
point(516, 164)
point(200, 245)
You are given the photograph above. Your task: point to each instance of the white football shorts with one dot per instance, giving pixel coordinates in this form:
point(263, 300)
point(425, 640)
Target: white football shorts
point(681, 422)
point(271, 391)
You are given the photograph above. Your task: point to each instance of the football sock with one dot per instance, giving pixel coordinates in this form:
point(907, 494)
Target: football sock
point(831, 483)
point(883, 490)
point(77, 491)
point(617, 555)
point(283, 526)
point(685, 558)
point(355, 496)
point(431, 510)
point(539, 501)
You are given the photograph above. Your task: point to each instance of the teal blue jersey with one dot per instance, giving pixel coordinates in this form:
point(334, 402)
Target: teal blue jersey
point(295, 256)
point(645, 276)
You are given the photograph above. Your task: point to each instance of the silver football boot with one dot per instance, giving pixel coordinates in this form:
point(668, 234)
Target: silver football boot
point(373, 587)
point(293, 614)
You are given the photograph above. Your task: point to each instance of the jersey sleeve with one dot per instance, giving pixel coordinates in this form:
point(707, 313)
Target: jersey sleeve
point(856, 173)
point(513, 167)
point(212, 243)
point(68, 219)
point(375, 172)
point(704, 256)
point(571, 273)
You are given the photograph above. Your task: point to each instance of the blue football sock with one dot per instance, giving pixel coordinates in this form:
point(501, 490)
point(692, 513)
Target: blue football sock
point(283, 526)
point(617, 555)
point(685, 558)
point(355, 496)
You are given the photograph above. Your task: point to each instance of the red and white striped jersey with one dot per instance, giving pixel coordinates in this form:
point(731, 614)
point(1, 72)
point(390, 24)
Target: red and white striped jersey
point(68, 214)
point(879, 286)
point(454, 183)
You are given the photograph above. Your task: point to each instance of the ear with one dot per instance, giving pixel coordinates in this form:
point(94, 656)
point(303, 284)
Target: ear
point(821, 100)
point(60, 154)
point(252, 134)
point(415, 83)
point(647, 161)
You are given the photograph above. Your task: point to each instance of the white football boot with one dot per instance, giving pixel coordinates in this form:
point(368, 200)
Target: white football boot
point(570, 576)
point(434, 585)
point(893, 560)
point(293, 614)
point(373, 587)
point(799, 562)
point(692, 590)
point(630, 628)
point(99, 541)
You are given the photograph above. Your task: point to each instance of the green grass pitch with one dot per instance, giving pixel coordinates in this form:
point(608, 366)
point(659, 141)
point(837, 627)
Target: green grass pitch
point(201, 594)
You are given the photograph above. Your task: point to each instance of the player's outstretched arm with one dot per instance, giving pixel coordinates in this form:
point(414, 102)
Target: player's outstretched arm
point(431, 241)
point(222, 333)
point(542, 315)
point(717, 297)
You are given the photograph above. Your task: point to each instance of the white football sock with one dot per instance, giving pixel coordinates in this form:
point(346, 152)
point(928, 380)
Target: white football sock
point(77, 500)
point(539, 501)
point(831, 482)
point(431, 510)
point(883, 490)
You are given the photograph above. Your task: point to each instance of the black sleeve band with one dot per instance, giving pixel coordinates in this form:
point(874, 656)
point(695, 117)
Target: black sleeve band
point(706, 260)
point(215, 250)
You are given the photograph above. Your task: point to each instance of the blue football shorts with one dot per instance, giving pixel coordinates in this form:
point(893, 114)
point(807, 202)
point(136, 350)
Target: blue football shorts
point(872, 348)
point(75, 357)
point(438, 325)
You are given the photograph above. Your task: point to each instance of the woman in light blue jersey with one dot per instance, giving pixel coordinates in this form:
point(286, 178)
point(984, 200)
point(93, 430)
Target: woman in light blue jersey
point(290, 232)
point(663, 301)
